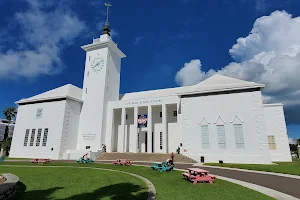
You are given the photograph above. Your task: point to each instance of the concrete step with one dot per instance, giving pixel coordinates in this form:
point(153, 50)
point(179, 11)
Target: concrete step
point(156, 157)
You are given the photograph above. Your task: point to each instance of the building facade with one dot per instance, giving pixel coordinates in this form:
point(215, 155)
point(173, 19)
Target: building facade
point(221, 118)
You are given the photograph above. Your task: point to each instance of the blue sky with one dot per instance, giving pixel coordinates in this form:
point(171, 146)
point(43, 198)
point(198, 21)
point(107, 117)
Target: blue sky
point(168, 44)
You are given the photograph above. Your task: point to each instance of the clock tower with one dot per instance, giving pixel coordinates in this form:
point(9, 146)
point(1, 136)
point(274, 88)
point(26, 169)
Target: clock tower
point(101, 84)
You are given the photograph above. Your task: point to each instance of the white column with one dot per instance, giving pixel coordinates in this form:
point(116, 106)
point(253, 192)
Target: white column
point(133, 133)
point(149, 133)
point(165, 128)
point(110, 134)
point(122, 132)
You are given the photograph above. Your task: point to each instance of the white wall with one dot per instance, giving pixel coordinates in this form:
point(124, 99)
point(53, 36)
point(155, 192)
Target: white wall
point(247, 106)
point(70, 126)
point(276, 126)
point(52, 118)
point(102, 86)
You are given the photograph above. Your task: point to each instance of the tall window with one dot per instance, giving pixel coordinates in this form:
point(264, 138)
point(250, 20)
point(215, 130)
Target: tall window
point(239, 138)
point(32, 137)
point(271, 142)
point(221, 136)
point(38, 138)
point(45, 136)
point(205, 137)
point(26, 137)
point(160, 140)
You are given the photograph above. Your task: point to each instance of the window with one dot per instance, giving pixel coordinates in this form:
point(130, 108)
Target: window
point(205, 137)
point(39, 113)
point(86, 90)
point(45, 137)
point(87, 147)
point(239, 138)
point(38, 138)
point(26, 137)
point(175, 113)
point(32, 137)
point(271, 142)
point(160, 141)
point(89, 58)
point(221, 136)
point(126, 116)
point(160, 114)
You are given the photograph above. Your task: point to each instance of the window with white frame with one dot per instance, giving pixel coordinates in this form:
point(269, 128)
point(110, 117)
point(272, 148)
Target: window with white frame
point(271, 142)
point(239, 137)
point(32, 137)
point(175, 113)
point(38, 137)
point(160, 141)
point(45, 137)
point(26, 137)
point(221, 136)
point(205, 136)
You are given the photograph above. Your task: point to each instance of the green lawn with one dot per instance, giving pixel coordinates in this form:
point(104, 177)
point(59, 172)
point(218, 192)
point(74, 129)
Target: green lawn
point(61, 183)
point(285, 168)
point(72, 183)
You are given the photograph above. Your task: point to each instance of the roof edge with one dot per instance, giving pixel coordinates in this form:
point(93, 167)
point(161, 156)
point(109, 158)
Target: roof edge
point(49, 98)
point(222, 89)
point(272, 104)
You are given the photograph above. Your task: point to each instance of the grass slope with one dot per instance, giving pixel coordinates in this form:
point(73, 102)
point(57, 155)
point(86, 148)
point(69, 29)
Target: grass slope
point(169, 185)
point(285, 168)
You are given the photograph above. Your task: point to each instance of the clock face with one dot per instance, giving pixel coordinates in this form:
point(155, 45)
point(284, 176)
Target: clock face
point(97, 64)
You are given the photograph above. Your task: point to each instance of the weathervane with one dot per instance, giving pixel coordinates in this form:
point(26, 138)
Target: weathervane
point(108, 5)
point(106, 29)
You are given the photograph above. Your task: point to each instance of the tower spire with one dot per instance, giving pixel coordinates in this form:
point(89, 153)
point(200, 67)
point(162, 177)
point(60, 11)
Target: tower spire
point(106, 29)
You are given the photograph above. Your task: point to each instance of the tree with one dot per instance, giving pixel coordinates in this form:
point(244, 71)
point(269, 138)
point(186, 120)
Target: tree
point(9, 114)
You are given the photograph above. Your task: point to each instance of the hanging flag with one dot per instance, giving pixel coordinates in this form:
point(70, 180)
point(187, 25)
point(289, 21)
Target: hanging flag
point(142, 121)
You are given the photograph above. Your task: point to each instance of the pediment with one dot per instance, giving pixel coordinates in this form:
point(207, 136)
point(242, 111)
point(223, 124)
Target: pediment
point(220, 121)
point(204, 121)
point(237, 120)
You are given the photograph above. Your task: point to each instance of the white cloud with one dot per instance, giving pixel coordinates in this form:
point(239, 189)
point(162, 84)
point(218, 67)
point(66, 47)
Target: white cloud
point(270, 54)
point(43, 36)
point(261, 5)
point(190, 74)
point(138, 40)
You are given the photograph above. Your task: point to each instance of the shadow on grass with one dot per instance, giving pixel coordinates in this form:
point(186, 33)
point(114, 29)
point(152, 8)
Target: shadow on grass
point(122, 191)
point(21, 193)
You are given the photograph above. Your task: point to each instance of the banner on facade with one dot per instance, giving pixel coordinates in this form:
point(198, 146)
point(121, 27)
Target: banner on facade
point(142, 121)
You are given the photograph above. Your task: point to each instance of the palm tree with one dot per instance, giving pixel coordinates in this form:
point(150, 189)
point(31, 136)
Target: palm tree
point(9, 114)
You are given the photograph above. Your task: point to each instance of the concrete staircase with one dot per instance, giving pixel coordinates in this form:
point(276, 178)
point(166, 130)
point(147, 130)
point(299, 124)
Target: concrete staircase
point(149, 157)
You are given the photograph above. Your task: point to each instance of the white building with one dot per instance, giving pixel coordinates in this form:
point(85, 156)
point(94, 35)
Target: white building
point(221, 118)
